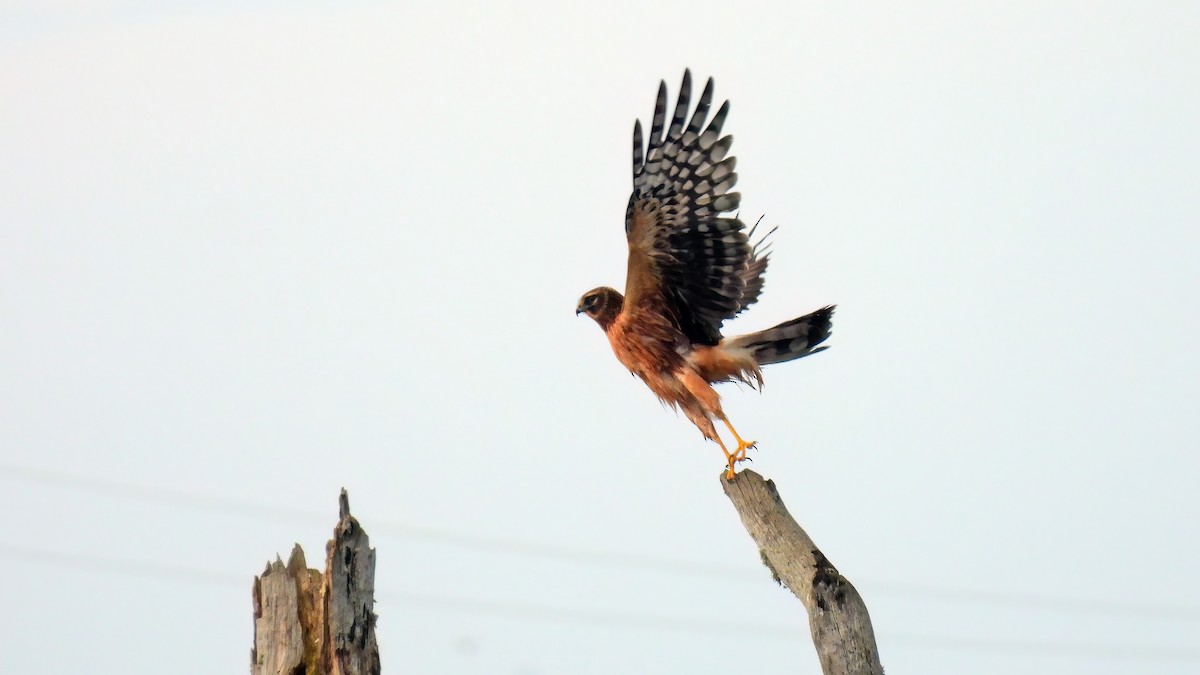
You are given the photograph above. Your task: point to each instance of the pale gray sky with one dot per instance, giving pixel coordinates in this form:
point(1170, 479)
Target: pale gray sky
point(251, 254)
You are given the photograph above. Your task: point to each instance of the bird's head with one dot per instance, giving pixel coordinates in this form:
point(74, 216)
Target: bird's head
point(602, 304)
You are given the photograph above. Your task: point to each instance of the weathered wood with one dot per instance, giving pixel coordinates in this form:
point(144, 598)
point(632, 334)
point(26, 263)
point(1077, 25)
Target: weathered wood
point(310, 623)
point(279, 643)
point(350, 648)
point(310, 592)
point(838, 619)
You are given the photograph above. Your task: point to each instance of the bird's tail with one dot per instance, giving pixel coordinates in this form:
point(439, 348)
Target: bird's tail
point(789, 340)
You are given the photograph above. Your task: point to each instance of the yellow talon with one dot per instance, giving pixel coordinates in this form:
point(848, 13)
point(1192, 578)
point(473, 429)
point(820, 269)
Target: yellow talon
point(729, 462)
point(743, 445)
point(738, 455)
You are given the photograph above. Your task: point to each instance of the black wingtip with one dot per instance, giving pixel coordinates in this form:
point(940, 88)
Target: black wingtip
point(681, 106)
point(718, 120)
point(638, 150)
point(822, 325)
point(658, 122)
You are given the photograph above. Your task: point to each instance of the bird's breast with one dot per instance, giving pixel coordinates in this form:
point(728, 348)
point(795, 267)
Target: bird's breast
point(644, 344)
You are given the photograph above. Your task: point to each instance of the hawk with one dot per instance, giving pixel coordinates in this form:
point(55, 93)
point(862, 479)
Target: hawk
point(690, 269)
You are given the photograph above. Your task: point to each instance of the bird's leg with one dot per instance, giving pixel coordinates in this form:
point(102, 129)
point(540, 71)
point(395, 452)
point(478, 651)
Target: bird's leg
point(729, 459)
point(738, 455)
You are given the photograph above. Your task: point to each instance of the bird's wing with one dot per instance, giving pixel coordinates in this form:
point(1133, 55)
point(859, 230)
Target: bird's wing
point(756, 266)
point(684, 258)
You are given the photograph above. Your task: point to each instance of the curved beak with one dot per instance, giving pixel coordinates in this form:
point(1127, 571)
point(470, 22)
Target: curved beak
point(579, 310)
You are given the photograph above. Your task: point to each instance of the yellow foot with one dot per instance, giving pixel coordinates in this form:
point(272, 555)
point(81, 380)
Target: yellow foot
point(738, 455)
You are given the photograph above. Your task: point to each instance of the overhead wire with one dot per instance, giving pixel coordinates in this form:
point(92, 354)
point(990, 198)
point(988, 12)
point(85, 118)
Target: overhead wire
point(580, 555)
point(612, 618)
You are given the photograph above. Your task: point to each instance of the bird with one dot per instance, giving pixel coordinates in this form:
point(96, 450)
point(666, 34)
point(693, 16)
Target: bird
point(691, 267)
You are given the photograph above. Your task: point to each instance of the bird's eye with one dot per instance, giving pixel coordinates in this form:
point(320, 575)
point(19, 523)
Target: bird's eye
point(591, 301)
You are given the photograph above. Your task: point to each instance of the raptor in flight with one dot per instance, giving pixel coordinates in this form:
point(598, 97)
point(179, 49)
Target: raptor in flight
point(690, 269)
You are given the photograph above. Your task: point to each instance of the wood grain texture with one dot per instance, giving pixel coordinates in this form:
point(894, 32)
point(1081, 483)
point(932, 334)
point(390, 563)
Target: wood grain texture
point(311, 623)
point(838, 619)
point(278, 634)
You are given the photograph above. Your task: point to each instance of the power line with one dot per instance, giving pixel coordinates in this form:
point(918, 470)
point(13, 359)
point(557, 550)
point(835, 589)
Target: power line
point(212, 504)
point(129, 568)
point(613, 618)
point(1076, 650)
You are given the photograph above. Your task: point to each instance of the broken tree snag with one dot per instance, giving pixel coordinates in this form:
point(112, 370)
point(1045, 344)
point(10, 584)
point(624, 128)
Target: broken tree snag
point(278, 634)
point(350, 647)
point(312, 623)
point(837, 616)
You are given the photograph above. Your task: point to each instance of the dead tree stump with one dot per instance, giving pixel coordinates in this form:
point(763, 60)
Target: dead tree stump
point(837, 616)
point(309, 623)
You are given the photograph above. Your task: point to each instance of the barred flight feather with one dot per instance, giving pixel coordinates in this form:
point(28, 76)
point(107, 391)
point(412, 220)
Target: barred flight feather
point(752, 278)
point(789, 340)
point(683, 179)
